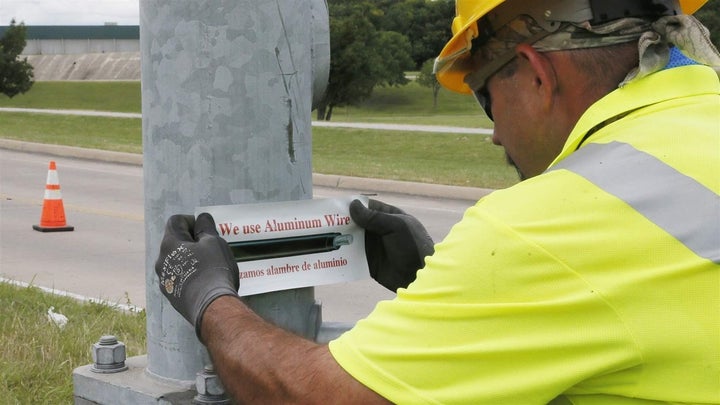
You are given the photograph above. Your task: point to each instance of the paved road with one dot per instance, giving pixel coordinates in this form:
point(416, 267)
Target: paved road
point(105, 256)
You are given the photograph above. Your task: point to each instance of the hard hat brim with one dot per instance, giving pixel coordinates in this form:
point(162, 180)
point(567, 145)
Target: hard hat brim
point(456, 50)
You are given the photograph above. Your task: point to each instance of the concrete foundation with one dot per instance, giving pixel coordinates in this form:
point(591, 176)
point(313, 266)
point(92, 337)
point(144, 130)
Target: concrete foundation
point(133, 386)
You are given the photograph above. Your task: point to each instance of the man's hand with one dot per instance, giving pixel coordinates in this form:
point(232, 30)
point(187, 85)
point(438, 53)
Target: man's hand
point(195, 266)
point(396, 243)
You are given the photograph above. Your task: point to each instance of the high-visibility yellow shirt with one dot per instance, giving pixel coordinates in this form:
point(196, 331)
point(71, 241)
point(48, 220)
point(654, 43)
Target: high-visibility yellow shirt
point(596, 282)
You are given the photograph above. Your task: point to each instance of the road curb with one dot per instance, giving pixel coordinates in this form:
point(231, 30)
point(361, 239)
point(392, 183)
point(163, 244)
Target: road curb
point(361, 184)
point(400, 187)
point(73, 152)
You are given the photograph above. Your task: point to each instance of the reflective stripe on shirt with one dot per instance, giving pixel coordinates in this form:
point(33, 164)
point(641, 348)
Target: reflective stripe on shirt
point(678, 204)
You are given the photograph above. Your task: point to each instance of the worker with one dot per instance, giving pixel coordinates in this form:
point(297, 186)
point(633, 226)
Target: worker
point(595, 280)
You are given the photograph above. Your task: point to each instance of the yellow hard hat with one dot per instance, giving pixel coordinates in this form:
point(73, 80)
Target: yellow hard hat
point(452, 65)
point(691, 6)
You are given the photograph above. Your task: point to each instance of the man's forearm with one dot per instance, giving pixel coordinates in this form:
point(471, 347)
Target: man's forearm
point(261, 363)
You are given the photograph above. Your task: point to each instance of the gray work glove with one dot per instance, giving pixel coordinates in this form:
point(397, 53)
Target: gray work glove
point(195, 266)
point(396, 243)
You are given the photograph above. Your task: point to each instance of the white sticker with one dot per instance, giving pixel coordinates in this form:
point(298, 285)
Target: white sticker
point(292, 244)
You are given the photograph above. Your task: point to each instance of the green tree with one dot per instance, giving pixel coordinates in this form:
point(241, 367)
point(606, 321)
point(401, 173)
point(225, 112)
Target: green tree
point(426, 23)
point(709, 15)
point(393, 50)
point(16, 75)
point(428, 79)
point(361, 56)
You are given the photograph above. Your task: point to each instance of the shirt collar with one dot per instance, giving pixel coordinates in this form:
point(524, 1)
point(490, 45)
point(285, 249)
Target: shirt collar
point(661, 86)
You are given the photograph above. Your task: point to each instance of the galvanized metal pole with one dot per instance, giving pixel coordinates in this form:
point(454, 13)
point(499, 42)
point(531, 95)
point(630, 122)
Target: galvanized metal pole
point(227, 89)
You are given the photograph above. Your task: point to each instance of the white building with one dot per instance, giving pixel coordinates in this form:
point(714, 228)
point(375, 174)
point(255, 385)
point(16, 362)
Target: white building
point(101, 52)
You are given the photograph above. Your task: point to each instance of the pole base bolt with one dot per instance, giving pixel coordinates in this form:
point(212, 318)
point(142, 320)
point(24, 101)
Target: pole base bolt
point(209, 388)
point(108, 355)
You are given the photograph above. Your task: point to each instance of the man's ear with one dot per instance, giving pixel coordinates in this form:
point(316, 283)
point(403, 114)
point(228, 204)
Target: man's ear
point(544, 73)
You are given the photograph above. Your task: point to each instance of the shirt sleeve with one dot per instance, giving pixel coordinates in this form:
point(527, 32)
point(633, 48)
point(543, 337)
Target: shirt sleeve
point(493, 318)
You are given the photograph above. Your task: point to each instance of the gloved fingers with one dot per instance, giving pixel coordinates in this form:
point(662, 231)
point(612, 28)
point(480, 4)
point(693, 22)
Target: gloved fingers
point(206, 233)
point(230, 261)
point(179, 227)
point(235, 274)
point(205, 226)
point(368, 219)
point(359, 213)
point(372, 220)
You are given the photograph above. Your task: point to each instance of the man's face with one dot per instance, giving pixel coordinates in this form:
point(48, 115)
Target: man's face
point(522, 126)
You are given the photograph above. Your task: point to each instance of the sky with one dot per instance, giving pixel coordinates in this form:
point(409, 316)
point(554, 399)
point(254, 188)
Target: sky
point(69, 12)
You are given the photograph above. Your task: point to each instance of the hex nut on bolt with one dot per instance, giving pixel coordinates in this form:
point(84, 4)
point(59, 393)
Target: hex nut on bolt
point(108, 355)
point(209, 388)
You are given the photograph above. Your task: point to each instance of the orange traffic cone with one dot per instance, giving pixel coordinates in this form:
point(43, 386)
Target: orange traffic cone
point(53, 212)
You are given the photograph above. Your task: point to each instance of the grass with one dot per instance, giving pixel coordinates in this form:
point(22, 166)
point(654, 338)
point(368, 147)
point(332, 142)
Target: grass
point(465, 160)
point(38, 358)
point(102, 96)
point(116, 134)
point(413, 104)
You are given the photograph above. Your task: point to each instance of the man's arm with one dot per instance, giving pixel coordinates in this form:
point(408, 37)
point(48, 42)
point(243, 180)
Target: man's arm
point(256, 361)
point(260, 363)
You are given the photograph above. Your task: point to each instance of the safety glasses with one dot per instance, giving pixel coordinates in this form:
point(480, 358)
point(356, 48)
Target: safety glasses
point(483, 98)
